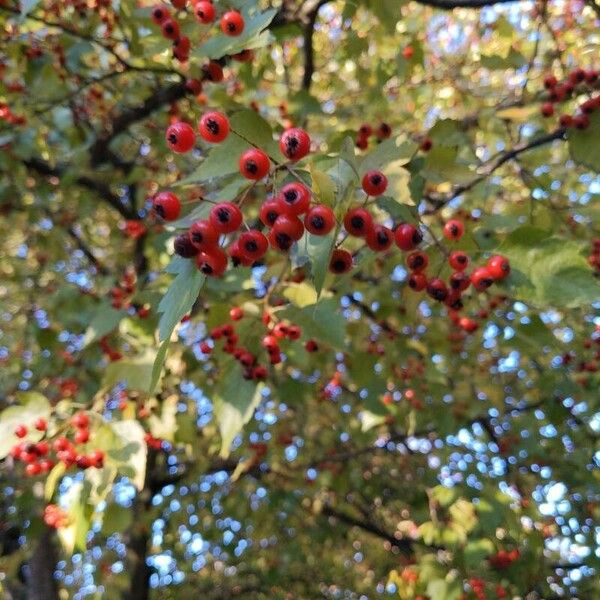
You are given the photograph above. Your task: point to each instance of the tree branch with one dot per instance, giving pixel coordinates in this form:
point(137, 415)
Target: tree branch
point(452, 4)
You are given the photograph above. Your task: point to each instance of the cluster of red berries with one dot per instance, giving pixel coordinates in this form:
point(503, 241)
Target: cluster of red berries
point(9, 117)
point(122, 293)
point(270, 342)
point(478, 587)
point(382, 132)
point(503, 559)
point(55, 517)
point(232, 23)
point(559, 92)
point(594, 257)
point(36, 455)
point(153, 442)
point(110, 352)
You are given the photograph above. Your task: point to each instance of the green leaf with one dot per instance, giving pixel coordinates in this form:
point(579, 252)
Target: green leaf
point(52, 480)
point(441, 589)
point(31, 406)
point(129, 451)
point(322, 321)
point(105, 320)
point(399, 212)
point(300, 294)
point(548, 270)
point(318, 249)
point(583, 143)
point(27, 6)
point(157, 367)
point(442, 164)
point(323, 186)
point(116, 519)
point(73, 536)
point(180, 296)
point(235, 399)
point(397, 149)
point(164, 426)
point(136, 372)
point(448, 132)
point(252, 37)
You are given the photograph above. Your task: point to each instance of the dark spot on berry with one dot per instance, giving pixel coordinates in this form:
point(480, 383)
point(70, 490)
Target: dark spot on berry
point(375, 179)
point(339, 266)
point(290, 196)
point(206, 269)
point(251, 167)
point(223, 215)
point(251, 246)
point(160, 210)
point(284, 241)
point(382, 238)
point(172, 138)
point(318, 222)
point(357, 222)
point(417, 237)
point(212, 126)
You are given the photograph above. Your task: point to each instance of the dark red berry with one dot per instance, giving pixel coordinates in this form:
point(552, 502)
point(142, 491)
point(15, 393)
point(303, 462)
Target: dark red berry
point(232, 23)
point(294, 198)
point(498, 266)
point(358, 222)
point(294, 143)
point(225, 217)
point(458, 260)
point(379, 238)
point(269, 211)
point(481, 278)
point(384, 131)
point(183, 246)
point(374, 183)
point(459, 281)
point(213, 127)
point(212, 262)
point(20, 431)
point(437, 289)
point(417, 261)
point(547, 109)
point(170, 29)
point(254, 164)
point(205, 12)
point(453, 230)
point(253, 243)
point(417, 282)
point(160, 14)
point(340, 261)
point(203, 234)
point(166, 205)
point(407, 236)
point(213, 71)
point(319, 220)
point(180, 137)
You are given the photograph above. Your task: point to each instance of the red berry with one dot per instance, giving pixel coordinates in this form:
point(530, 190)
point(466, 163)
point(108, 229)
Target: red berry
point(319, 220)
point(362, 143)
point(577, 76)
point(96, 459)
point(226, 217)
point(407, 236)
point(254, 164)
point(417, 282)
point(311, 346)
point(426, 144)
point(374, 183)
point(253, 244)
point(469, 325)
point(205, 12)
point(498, 266)
point(194, 86)
point(550, 81)
point(232, 23)
point(379, 238)
point(236, 313)
point(294, 143)
point(166, 205)
point(170, 29)
point(180, 137)
point(269, 212)
point(294, 198)
point(212, 262)
point(160, 14)
point(20, 431)
point(417, 261)
point(437, 289)
point(459, 281)
point(181, 46)
point(365, 130)
point(179, 4)
point(80, 420)
point(41, 424)
point(458, 260)
point(581, 122)
point(213, 126)
point(453, 230)
point(82, 436)
point(33, 469)
point(547, 109)
point(340, 261)
point(245, 56)
point(384, 131)
point(203, 234)
point(481, 278)
point(213, 71)
point(184, 247)
point(358, 222)
point(286, 230)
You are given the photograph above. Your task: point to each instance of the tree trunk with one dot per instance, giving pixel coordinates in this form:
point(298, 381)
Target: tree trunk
point(139, 586)
point(41, 584)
